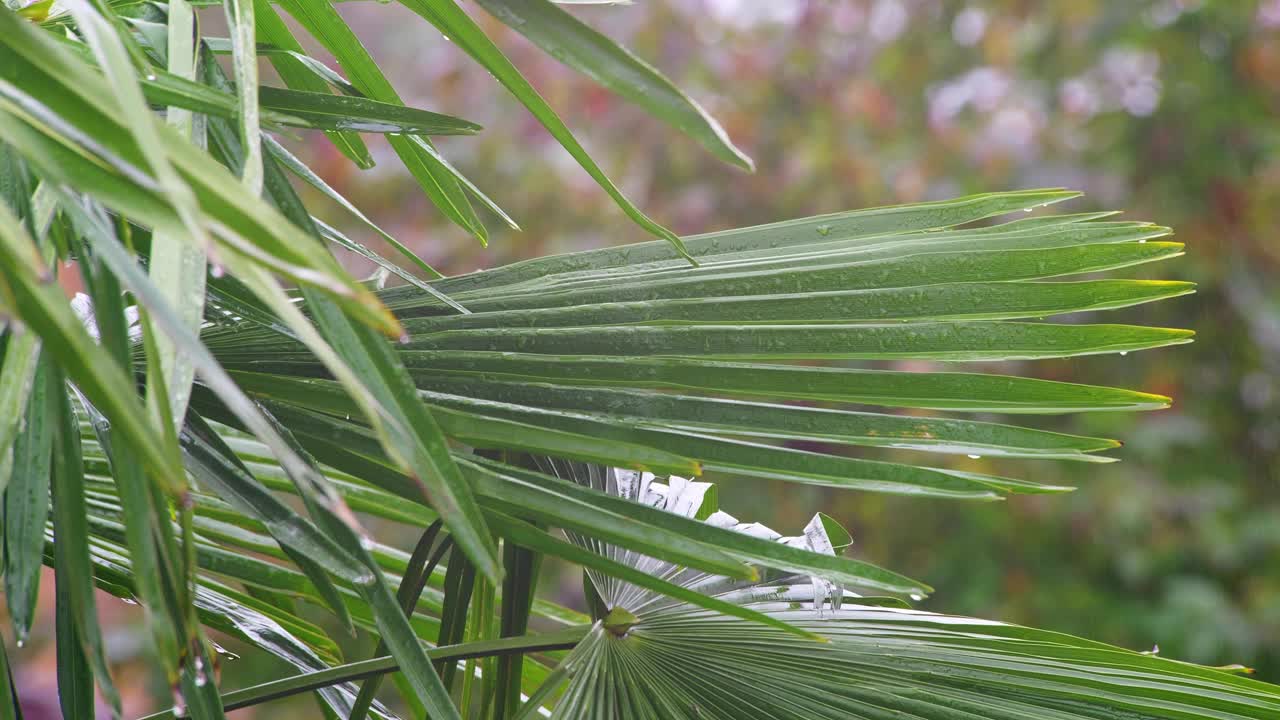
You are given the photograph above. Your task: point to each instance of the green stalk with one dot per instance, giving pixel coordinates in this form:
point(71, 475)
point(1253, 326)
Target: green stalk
point(307, 682)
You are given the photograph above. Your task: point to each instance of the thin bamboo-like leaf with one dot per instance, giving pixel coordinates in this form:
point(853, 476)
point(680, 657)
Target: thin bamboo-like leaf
point(143, 495)
point(71, 566)
point(393, 624)
point(133, 194)
point(178, 265)
point(577, 45)
point(279, 107)
point(421, 563)
point(238, 615)
point(9, 709)
point(26, 500)
point(17, 376)
point(429, 153)
point(298, 168)
point(444, 190)
point(270, 293)
point(300, 75)
point(585, 517)
point(338, 237)
point(244, 61)
point(118, 260)
point(342, 112)
point(265, 583)
point(411, 435)
point(111, 52)
point(314, 553)
point(242, 225)
point(75, 677)
point(458, 26)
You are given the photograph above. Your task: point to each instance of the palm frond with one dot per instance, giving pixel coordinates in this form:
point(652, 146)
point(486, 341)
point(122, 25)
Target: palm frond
point(652, 656)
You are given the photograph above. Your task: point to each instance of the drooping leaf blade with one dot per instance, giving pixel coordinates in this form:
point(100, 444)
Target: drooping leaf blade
point(72, 569)
point(582, 48)
point(26, 500)
point(457, 25)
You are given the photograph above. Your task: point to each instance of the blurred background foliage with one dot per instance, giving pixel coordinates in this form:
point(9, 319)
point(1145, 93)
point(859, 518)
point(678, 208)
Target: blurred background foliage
point(1167, 109)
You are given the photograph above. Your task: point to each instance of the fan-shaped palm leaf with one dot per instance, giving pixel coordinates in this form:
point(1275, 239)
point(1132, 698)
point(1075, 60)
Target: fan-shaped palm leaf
point(652, 656)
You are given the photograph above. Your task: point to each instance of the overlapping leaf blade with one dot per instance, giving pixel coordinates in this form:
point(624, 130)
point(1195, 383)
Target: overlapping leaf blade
point(450, 19)
point(44, 83)
point(580, 47)
point(438, 181)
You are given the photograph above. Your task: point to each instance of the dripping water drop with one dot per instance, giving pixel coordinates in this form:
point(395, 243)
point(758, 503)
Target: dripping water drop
point(225, 652)
point(916, 597)
point(1124, 352)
